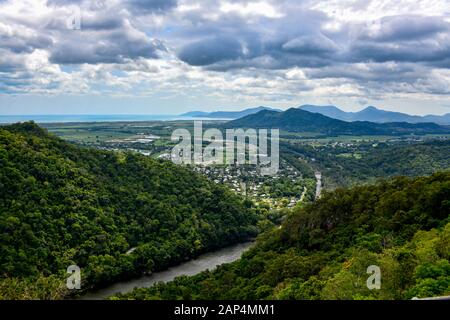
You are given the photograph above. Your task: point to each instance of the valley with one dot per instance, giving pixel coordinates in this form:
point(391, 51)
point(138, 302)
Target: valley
point(224, 158)
point(235, 203)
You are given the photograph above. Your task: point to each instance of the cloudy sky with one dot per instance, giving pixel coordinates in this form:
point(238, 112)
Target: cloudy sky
point(171, 56)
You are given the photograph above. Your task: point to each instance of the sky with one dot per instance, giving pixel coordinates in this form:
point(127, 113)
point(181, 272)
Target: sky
point(173, 56)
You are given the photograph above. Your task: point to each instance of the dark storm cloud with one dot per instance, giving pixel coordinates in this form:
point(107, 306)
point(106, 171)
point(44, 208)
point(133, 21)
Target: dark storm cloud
point(136, 7)
point(212, 50)
point(403, 39)
point(115, 47)
point(239, 37)
point(63, 2)
point(316, 44)
point(102, 22)
point(406, 28)
point(300, 40)
point(20, 43)
point(258, 43)
point(106, 33)
point(231, 41)
point(417, 39)
point(276, 61)
point(228, 53)
point(387, 72)
point(430, 51)
point(150, 6)
point(104, 37)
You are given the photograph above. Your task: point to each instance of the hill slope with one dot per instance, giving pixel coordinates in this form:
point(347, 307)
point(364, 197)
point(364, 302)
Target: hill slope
point(298, 120)
point(373, 161)
point(323, 250)
point(61, 205)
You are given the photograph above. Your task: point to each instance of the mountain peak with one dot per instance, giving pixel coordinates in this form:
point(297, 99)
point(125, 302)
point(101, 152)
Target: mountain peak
point(298, 120)
point(228, 114)
point(371, 108)
point(373, 114)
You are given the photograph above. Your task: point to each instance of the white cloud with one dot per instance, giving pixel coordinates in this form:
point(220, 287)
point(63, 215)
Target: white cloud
point(251, 8)
point(240, 51)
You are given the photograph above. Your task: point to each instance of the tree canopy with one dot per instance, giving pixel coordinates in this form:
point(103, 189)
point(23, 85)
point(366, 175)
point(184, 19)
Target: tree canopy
point(323, 249)
point(61, 204)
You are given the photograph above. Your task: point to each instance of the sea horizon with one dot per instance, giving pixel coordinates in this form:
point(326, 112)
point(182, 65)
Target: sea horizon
point(68, 118)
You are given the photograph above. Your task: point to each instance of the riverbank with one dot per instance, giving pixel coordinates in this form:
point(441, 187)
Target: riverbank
point(208, 261)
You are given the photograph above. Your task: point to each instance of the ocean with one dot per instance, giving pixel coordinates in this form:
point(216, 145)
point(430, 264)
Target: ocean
point(5, 119)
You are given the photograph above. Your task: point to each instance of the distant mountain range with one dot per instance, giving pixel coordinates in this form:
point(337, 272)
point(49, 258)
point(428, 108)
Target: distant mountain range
point(300, 120)
point(370, 113)
point(229, 115)
point(374, 115)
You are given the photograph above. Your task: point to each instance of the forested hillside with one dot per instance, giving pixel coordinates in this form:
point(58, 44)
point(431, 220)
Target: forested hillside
point(323, 249)
point(61, 205)
point(373, 162)
point(298, 120)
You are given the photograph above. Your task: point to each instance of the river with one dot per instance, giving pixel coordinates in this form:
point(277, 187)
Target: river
point(208, 261)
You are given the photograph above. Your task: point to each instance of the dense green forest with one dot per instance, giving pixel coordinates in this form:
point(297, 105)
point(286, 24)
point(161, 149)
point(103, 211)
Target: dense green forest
point(324, 248)
point(61, 204)
point(371, 162)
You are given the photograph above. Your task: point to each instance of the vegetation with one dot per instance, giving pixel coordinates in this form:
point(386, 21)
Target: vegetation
point(323, 249)
point(297, 120)
point(349, 164)
point(120, 214)
point(61, 205)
